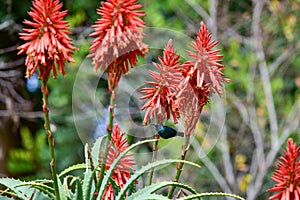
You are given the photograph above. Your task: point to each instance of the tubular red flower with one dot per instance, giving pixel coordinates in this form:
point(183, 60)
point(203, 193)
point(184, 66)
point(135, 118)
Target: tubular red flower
point(202, 77)
point(191, 99)
point(184, 89)
point(205, 68)
point(287, 174)
point(121, 173)
point(47, 41)
point(118, 39)
point(162, 96)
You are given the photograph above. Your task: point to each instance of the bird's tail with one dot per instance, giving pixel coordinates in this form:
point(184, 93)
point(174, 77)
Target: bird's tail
point(181, 134)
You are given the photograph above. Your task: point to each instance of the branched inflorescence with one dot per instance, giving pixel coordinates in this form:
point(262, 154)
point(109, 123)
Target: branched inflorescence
point(183, 89)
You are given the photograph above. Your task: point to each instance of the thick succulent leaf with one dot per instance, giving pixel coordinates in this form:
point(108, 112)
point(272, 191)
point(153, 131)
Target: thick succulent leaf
point(115, 186)
point(96, 150)
point(41, 186)
point(146, 168)
point(88, 185)
point(63, 190)
point(211, 194)
point(89, 174)
point(72, 168)
point(151, 196)
point(78, 192)
point(22, 192)
point(38, 195)
point(5, 198)
point(150, 189)
point(114, 164)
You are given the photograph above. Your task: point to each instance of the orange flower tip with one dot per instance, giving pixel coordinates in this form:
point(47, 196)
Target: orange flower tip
point(95, 69)
point(227, 80)
point(145, 123)
point(72, 60)
point(169, 44)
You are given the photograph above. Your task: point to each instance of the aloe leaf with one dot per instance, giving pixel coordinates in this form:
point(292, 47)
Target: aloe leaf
point(150, 189)
point(114, 164)
point(146, 168)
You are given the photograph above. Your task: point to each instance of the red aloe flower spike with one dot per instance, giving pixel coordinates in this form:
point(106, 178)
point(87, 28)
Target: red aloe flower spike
point(287, 174)
point(118, 39)
point(205, 64)
point(202, 77)
point(162, 96)
point(47, 41)
point(121, 173)
point(191, 101)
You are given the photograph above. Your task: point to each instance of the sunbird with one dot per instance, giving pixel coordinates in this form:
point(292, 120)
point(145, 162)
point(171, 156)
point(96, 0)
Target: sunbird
point(167, 132)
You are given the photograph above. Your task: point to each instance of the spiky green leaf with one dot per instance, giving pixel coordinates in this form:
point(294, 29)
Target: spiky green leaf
point(78, 191)
point(22, 192)
point(63, 190)
point(96, 150)
point(88, 185)
point(150, 189)
point(211, 194)
point(41, 186)
point(146, 168)
point(114, 164)
point(152, 196)
point(72, 168)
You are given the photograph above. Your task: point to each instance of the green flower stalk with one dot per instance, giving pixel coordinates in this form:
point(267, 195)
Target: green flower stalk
point(47, 47)
point(183, 90)
point(202, 76)
point(115, 49)
point(118, 39)
point(162, 93)
point(122, 171)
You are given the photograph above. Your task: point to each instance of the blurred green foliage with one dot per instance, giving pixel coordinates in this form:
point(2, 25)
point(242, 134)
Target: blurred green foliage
point(280, 26)
point(31, 160)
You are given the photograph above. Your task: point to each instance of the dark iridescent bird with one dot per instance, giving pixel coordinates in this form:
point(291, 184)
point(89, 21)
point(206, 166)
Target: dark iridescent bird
point(167, 132)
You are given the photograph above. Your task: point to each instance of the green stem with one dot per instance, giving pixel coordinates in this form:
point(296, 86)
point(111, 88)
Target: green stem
point(180, 165)
point(50, 138)
point(92, 164)
point(155, 147)
point(109, 132)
